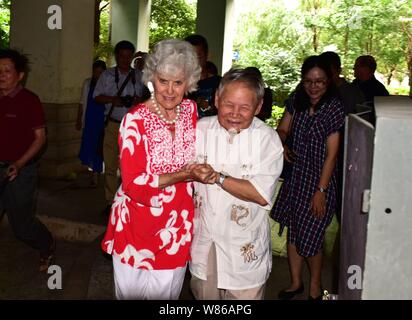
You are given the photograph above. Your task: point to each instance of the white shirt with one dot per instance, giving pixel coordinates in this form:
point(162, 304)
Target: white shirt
point(107, 86)
point(239, 229)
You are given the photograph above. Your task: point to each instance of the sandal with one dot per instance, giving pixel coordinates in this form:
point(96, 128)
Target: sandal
point(47, 258)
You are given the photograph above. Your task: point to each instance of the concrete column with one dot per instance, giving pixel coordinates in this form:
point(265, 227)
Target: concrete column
point(143, 27)
point(215, 21)
point(130, 21)
point(60, 60)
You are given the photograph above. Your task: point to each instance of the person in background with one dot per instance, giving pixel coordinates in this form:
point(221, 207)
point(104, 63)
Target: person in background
point(231, 255)
point(211, 69)
point(266, 110)
point(350, 94)
point(150, 229)
point(207, 85)
point(364, 71)
point(22, 139)
point(307, 200)
point(90, 117)
point(119, 88)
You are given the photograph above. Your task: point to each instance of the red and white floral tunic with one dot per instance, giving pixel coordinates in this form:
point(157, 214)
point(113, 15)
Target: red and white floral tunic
point(149, 227)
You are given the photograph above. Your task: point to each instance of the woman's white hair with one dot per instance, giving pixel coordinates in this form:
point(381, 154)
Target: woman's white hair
point(170, 57)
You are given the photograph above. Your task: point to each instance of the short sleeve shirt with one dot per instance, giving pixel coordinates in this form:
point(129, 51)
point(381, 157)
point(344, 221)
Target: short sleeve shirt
point(107, 86)
point(21, 112)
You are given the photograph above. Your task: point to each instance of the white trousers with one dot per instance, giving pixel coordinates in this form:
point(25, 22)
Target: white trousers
point(141, 284)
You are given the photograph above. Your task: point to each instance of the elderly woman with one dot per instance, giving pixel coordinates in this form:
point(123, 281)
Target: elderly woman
point(307, 200)
point(150, 229)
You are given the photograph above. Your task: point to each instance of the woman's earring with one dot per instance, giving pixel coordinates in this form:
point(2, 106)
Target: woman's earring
point(150, 86)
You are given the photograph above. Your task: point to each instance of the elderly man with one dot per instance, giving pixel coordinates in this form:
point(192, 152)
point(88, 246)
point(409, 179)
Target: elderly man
point(364, 71)
point(22, 138)
point(231, 256)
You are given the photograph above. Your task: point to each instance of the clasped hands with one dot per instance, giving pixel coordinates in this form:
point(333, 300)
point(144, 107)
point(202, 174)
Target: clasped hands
point(202, 173)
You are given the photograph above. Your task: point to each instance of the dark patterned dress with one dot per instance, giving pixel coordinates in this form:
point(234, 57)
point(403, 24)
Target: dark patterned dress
point(292, 206)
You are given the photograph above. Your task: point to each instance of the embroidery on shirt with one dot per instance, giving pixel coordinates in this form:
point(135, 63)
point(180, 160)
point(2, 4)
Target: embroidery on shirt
point(248, 253)
point(164, 154)
point(238, 213)
point(198, 200)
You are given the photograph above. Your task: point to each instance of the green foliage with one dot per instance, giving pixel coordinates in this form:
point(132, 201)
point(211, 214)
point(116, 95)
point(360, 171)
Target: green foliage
point(399, 91)
point(104, 50)
point(171, 19)
point(277, 114)
point(4, 23)
point(272, 40)
point(276, 37)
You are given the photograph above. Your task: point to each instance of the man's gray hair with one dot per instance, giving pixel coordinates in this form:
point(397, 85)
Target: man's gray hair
point(170, 57)
point(249, 78)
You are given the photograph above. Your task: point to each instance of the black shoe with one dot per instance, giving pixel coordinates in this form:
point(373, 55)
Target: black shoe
point(106, 211)
point(289, 295)
point(318, 298)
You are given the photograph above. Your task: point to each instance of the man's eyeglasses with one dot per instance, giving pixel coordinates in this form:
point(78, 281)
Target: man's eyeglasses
point(320, 83)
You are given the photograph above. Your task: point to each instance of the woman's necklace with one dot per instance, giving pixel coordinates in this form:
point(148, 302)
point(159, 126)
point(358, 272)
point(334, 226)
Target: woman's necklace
point(169, 123)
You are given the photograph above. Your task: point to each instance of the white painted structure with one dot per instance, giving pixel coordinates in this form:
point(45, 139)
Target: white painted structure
point(376, 224)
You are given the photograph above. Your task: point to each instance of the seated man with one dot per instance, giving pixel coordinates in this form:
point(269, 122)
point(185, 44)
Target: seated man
point(231, 256)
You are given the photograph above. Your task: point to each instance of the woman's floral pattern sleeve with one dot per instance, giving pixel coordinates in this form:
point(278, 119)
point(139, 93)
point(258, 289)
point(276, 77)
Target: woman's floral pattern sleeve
point(137, 182)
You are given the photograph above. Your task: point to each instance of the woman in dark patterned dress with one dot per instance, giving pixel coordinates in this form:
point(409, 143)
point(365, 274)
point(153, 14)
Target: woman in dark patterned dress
point(307, 200)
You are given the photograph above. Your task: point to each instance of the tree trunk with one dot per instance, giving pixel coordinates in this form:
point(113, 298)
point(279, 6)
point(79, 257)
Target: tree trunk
point(315, 39)
point(409, 59)
point(389, 77)
point(345, 47)
point(96, 36)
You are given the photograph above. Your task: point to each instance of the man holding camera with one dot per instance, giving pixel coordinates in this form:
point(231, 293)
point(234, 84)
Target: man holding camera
point(118, 88)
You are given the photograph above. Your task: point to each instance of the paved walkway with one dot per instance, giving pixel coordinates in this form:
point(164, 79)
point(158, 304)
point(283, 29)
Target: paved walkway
point(73, 212)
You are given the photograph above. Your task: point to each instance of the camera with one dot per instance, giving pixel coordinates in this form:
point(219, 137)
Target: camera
point(128, 101)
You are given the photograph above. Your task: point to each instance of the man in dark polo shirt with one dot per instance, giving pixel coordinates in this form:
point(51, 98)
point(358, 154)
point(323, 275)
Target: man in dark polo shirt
point(22, 137)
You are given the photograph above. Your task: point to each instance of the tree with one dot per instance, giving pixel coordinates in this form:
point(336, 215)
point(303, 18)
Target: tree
point(99, 7)
point(4, 23)
point(171, 19)
point(315, 12)
point(275, 33)
point(103, 49)
point(275, 41)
